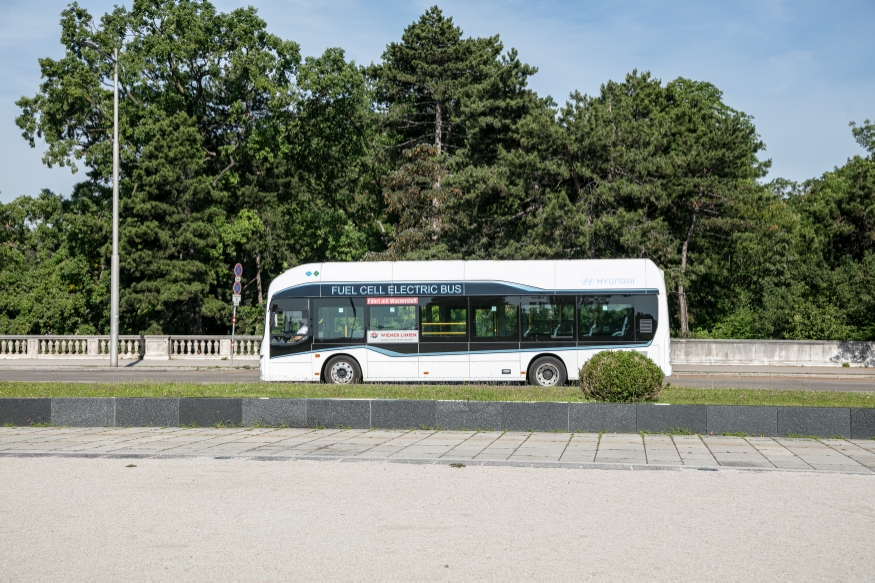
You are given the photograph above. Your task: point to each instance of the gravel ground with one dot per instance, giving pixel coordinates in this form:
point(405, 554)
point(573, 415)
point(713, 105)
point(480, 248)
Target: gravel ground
point(63, 518)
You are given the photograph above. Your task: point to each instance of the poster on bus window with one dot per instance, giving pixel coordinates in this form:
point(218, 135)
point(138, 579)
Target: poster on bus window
point(390, 336)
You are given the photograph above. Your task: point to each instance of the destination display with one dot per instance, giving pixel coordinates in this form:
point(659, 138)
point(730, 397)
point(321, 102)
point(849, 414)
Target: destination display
point(430, 289)
point(395, 289)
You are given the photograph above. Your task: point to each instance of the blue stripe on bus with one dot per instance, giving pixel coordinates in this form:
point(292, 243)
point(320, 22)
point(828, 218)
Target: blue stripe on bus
point(400, 355)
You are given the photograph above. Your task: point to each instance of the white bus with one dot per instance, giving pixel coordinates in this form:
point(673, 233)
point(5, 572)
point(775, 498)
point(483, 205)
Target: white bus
point(493, 321)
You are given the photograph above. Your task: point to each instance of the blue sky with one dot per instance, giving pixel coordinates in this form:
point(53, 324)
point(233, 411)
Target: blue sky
point(803, 69)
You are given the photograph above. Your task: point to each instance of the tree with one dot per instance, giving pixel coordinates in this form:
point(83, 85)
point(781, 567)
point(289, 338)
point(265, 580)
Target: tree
point(423, 79)
point(653, 168)
point(840, 205)
point(236, 149)
point(413, 193)
point(55, 263)
point(217, 117)
point(459, 97)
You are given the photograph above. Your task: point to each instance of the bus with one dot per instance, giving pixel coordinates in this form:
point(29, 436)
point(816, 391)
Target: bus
point(533, 322)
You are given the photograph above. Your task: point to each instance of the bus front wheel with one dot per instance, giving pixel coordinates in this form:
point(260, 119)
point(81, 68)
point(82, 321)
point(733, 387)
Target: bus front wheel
point(342, 370)
point(547, 372)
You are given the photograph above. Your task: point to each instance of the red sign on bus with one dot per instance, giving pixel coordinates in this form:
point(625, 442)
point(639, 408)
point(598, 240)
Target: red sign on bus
point(393, 301)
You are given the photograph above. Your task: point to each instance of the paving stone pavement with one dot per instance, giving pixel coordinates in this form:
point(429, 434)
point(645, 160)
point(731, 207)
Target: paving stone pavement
point(429, 446)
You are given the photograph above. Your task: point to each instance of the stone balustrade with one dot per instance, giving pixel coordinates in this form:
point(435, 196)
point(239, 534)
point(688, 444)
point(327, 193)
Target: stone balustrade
point(206, 347)
point(131, 347)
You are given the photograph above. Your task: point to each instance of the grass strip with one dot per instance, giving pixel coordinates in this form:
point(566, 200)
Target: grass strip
point(463, 392)
point(767, 397)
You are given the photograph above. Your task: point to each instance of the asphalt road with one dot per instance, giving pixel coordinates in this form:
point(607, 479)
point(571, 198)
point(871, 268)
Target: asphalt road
point(218, 375)
point(199, 519)
point(793, 383)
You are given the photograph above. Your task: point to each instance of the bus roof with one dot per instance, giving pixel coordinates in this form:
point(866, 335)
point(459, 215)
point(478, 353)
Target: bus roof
point(535, 276)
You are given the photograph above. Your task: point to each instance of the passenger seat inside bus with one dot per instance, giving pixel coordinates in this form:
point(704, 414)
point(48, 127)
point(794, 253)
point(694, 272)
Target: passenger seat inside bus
point(622, 331)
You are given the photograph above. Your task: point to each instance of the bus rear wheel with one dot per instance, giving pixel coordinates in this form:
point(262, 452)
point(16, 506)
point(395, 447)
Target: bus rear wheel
point(342, 370)
point(547, 372)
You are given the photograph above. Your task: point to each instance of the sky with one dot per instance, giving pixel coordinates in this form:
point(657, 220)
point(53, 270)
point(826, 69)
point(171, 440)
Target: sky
point(802, 69)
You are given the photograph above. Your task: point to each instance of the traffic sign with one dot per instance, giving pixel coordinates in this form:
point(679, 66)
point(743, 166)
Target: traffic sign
point(237, 278)
point(237, 288)
point(236, 298)
point(238, 270)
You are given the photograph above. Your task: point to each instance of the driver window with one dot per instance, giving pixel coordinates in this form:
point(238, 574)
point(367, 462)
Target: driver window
point(289, 322)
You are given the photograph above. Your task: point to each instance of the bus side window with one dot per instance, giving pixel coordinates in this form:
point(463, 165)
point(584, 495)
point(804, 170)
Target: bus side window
point(444, 319)
point(547, 317)
point(495, 319)
point(339, 319)
point(393, 317)
point(605, 318)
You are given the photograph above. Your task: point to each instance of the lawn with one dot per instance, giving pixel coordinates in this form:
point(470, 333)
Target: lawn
point(673, 395)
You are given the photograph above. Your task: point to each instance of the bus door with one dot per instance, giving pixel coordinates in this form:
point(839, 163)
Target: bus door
point(495, 338)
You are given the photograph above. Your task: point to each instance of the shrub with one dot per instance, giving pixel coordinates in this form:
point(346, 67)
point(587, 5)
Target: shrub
point(621, 377)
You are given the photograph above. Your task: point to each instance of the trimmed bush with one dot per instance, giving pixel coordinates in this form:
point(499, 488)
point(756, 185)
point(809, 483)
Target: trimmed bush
point(621, 377)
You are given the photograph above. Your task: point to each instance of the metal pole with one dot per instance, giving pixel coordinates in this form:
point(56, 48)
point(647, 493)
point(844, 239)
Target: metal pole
point(233, 326)
point(114, 292)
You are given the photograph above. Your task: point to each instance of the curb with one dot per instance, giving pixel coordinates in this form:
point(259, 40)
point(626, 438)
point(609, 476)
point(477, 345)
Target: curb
point(854, 423)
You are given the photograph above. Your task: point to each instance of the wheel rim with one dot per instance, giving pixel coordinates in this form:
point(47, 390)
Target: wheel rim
point(547, 374)
point(342, 373)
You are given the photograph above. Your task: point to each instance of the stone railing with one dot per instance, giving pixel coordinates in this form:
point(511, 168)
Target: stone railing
point(131, 347)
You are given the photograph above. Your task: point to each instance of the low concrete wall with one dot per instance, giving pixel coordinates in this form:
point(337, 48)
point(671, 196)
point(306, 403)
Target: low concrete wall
point(409, 414)
point(773, 352)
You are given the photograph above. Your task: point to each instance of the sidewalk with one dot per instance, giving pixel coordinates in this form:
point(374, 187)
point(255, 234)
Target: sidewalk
point(581, 450)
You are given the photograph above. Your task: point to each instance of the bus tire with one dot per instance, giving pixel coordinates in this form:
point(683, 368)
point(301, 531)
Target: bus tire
point(547, 371)
point(342, 370)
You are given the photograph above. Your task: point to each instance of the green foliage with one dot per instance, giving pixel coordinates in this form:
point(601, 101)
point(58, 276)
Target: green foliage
point(55, 263)
point(624, 376)
point(235, 148)
point(865, 135)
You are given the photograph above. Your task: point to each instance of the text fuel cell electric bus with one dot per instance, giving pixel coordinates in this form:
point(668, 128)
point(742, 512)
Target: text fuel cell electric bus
point(534, 321)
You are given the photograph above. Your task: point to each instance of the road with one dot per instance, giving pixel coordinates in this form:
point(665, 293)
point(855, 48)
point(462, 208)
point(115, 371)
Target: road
point(790, 381)
point(96, 375)
point(786, 383)
point(197, 519)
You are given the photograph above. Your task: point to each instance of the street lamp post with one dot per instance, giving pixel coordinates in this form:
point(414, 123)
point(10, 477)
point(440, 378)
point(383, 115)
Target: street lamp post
point(114, 267)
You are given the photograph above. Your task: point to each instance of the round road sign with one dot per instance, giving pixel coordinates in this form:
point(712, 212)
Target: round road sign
point(237, 288)
point(238, 270)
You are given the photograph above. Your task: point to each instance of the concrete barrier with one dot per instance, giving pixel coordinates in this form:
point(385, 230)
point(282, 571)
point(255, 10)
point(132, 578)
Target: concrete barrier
point(414, 414)
point(773, 352)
